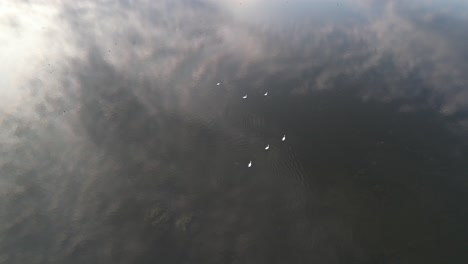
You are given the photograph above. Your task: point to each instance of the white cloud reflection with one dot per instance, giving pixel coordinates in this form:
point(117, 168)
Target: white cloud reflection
point(184, 44)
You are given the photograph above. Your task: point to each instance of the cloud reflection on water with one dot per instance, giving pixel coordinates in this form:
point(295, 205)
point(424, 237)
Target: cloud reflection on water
point(116, 136)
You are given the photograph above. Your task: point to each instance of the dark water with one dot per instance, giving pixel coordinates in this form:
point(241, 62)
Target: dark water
point(118, 145)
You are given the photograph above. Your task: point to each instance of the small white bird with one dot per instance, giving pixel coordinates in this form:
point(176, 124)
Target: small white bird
point(218, 84)
point(250, 164)
point(284, 138)
point(265, 94)
point(267, 147)
point(245, 96)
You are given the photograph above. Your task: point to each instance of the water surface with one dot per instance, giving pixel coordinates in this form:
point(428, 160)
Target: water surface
point(125, 136)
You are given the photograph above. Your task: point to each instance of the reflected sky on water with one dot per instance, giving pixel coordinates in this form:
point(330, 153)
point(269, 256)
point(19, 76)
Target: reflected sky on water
point(127, 129)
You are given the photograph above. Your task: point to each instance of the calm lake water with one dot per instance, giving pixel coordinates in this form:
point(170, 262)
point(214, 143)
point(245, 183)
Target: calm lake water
point(234, 131)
